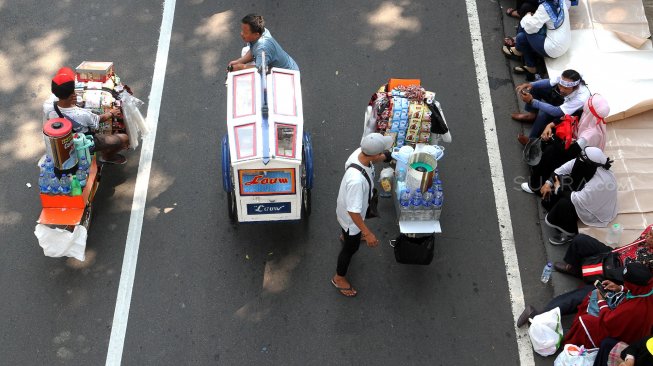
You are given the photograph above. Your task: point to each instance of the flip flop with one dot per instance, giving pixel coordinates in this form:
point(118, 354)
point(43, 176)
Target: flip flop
point(342, 289)
point(510, 11)
point(511, 52)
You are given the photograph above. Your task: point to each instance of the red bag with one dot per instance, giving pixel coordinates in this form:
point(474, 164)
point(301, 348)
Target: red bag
point(565, 129)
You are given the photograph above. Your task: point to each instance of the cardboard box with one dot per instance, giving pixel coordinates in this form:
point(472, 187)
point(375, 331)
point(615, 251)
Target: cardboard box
point(94, 71)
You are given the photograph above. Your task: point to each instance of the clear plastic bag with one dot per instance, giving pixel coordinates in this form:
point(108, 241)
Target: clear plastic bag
point(135, 124)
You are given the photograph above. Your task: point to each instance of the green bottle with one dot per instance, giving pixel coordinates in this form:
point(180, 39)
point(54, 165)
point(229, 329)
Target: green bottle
point(75, 187)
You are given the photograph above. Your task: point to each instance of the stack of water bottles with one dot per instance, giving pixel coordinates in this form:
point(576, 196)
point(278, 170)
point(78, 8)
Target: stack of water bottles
point(66, 184)
point(417, 205)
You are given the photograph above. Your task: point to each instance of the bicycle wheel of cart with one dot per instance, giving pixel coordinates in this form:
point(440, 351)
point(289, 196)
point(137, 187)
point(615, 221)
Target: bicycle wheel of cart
point(87, 216)
point(307, 174)
point(228, 181)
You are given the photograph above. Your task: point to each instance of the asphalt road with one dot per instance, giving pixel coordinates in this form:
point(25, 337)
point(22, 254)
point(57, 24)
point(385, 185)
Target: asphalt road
point(210, 293)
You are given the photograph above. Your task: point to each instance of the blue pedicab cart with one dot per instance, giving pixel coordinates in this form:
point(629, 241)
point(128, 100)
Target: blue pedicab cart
point(267, 157)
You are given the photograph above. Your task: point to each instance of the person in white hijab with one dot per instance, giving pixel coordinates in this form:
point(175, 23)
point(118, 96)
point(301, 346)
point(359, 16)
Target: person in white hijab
point(583, 188)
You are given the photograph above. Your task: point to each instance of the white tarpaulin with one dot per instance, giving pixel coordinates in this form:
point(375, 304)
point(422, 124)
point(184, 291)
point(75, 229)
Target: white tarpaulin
point(62, 243)
point(609, 48)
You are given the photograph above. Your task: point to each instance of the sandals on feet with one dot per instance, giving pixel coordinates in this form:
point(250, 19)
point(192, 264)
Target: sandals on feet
point(511, 52)
point(345, 291)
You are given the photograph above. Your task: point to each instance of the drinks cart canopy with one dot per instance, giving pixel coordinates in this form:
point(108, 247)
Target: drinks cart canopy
point(255, 134)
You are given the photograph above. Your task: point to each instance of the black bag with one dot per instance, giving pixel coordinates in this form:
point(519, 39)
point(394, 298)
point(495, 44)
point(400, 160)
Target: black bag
point(603, 266)
point(438, 126)
point(373, 201)
point(414, 250)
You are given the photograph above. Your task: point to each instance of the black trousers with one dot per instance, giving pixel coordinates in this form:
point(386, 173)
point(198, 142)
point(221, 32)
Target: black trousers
point(562, 213)
point(569, 301)
point(554, 155)
point(583, 246)
point(604, 351)
point(349, 247)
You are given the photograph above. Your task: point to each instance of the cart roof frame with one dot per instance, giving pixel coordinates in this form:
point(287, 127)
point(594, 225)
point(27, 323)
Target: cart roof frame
point(252, 136)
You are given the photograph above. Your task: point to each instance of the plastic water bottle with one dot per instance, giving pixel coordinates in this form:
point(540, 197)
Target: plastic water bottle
point(437, 184)
point(81, 177)
point(438, 200)
point(404, 203)
point(54, 187)
point(436, 176)
point(427, 203)
point(49, 165)
point(83, 164)
point(401, 175)
point(546, 273)
point(43, 183)
point(416, 204)
point(614, 235)
point(65, 184)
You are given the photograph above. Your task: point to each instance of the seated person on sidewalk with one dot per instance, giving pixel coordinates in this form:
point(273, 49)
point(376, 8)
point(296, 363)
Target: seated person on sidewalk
point(629, 321)
point(589, 131)
point(549, 99)
point(83, 120)
point(584, 246)
point(583, 188)
point(545, 33)
point(614, 352)
point(259, 40)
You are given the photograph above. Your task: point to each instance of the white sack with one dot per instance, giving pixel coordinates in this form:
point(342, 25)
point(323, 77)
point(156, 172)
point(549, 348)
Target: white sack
point(62, 243)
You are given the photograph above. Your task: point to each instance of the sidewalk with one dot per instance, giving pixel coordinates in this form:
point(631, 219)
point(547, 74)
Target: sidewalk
point(561, 283)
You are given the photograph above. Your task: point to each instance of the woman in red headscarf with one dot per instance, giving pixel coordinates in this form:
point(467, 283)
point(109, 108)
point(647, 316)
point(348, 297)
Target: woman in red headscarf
point(560, 146)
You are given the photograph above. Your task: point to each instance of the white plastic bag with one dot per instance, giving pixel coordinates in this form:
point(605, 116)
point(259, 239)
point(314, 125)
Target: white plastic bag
point(134, 122)
point(62, 243)
point(573, 355)
point(546, 332)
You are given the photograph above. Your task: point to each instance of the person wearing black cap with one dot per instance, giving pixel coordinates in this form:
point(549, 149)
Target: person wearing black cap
point(629, 321)
point(353, 200)
point(83, 120)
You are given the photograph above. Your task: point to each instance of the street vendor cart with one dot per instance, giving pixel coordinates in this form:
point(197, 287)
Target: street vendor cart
point(414, 119)
point(70, 171)
point(267, 157)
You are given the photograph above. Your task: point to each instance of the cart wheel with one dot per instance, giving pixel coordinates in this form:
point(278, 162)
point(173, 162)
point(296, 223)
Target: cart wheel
point(306, 191)
point(306, 202)
point(87, 216)
point(231, 206)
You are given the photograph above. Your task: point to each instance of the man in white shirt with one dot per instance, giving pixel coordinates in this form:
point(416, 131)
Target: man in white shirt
point(353, 200)
point(549, 99)
point(83, 120)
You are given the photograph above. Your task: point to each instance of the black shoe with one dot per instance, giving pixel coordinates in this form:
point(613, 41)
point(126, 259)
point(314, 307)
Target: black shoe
point(529, 312)
point(565, 268)
point(560, 239)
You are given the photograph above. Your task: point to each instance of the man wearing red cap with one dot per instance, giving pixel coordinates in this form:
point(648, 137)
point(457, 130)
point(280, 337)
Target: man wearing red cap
point(83, 120)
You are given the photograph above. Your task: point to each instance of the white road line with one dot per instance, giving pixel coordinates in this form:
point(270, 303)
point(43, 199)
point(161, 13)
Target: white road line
point(123, 301)
point(500, 196)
